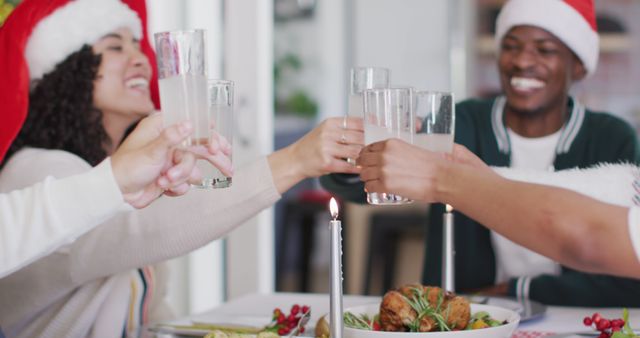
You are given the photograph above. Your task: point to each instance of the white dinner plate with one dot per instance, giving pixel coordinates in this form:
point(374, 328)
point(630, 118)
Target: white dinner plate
point(503, 331)
point(168, 331)
point(528, 309)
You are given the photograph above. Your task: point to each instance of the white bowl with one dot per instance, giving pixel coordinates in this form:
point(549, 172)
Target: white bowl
point(497, 313)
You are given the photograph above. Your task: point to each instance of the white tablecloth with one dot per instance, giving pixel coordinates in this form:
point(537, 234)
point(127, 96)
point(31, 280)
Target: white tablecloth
point(257, 309)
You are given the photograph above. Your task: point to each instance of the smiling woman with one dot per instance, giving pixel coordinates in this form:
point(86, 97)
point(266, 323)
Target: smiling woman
point(121, 85)
point(62, 113)
point(89, 80)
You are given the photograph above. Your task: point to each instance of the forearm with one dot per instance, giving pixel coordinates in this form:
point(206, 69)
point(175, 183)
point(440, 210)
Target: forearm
point(284, 169)
point(173, 226)
point(568, 227)
point(37, 220)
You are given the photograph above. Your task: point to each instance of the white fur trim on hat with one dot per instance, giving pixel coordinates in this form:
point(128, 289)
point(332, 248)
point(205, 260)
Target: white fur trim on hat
point(559, 19)
point(73, 25)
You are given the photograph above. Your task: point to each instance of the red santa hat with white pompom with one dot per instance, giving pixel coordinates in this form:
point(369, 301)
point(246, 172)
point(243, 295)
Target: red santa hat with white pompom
point(571, 21)
point(39, 34)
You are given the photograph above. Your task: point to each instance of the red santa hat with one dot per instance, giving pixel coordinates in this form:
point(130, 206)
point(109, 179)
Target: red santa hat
point(571, 21)
point(39, 34)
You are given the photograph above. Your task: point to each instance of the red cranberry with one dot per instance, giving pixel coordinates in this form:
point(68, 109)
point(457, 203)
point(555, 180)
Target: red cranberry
point(617, 322)
point(596, 318)
point(587, 321)
point(295, 309)
point(603, 324)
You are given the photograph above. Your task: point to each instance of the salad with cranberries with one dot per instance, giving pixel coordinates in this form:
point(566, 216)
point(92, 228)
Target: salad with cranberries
point(611, 328)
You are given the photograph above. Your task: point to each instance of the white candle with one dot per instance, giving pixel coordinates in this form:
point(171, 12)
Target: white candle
point(448, 251)
point(336, 272)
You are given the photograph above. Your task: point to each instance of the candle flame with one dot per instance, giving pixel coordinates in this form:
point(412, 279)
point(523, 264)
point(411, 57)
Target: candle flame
point(333, 208)
point(449, 208)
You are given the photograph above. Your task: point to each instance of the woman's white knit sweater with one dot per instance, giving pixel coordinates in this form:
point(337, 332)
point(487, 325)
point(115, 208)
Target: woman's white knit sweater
point(63, 294)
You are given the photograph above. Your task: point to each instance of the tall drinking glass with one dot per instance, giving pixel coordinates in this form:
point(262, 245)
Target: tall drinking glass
point(185, 96)
point(220, 107)
point(435, 120)
point(435, 124)
point(361, 79)
point(183, 81)
point(388, 113)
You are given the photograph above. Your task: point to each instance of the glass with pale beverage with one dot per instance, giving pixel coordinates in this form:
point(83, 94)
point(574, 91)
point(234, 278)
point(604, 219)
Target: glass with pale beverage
point(220, 107)
point(434, 120)
point(182, 79)
point(185, 95)
point(388, 113)
point(361, 79)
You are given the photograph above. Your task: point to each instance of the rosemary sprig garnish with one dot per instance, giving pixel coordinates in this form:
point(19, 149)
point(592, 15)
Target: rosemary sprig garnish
point(362, 322)
point(420, 304)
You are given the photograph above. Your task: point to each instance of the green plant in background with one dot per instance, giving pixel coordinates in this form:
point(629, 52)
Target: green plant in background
point(288, 61)
point(301, 104)
point(6, 7)
point(298, 102)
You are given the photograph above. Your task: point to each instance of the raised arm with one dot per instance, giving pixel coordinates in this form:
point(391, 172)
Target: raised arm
point(38, 219)
point(320, 152)
point(573, 229)
point(173, 227)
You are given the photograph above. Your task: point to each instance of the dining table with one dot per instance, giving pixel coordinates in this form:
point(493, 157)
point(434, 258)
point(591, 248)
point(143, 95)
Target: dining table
point(257, 308)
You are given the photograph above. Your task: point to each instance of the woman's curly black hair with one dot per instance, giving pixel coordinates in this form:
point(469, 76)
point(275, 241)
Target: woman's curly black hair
point(61, 112)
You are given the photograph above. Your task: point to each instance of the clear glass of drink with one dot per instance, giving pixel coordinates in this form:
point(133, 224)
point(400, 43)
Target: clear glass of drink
point(220, 108)
point(361, 79)
point(186, 95)
point(388, 113)
point(434, 114)
point(182, 78)
point(434, 120)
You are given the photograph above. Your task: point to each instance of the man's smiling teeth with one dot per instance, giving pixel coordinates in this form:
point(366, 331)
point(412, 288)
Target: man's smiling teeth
point(524, 83)
point(137, 83)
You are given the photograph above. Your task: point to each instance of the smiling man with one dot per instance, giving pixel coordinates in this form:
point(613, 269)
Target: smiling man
point(544, 47)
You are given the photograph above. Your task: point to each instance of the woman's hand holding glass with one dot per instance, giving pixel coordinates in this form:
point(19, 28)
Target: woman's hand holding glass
point(217, 152)
point(321, 151)
point(149, 162)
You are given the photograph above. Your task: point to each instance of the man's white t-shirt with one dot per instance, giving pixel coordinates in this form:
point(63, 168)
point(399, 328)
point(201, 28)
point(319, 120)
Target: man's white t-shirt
point(513, 260)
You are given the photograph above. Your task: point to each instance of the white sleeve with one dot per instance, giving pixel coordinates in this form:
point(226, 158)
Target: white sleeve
point(37, 220)
point(609, 183)
point(634, 229)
